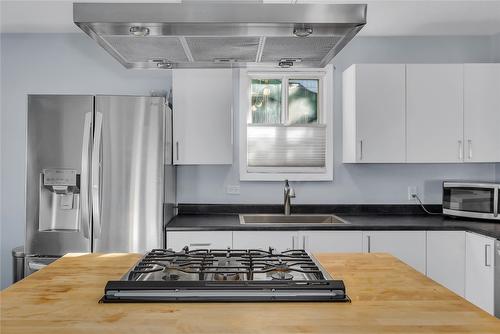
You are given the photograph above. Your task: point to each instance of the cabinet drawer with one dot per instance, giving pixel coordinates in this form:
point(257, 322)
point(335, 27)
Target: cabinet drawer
point(279, 240)
point(408, 246)
point(331, 241)
point(199, 240)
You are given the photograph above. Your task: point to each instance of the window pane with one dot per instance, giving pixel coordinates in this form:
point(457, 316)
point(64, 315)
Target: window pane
point(303, 101)
point(266, 101)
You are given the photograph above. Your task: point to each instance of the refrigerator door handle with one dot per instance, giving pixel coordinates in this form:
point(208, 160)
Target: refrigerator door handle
point(96, 176)
point(84, 177)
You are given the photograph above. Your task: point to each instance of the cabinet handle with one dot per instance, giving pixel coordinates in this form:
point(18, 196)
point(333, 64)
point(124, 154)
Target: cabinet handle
point(369, 241)
point(469, 142)
point(460, 151)
point(293, 242)
point(177, 150)
point(303, 242)
point(361, 149)
point(232, 125)
point(487, 263)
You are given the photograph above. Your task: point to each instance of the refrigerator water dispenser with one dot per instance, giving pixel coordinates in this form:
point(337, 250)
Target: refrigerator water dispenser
point(59, 207)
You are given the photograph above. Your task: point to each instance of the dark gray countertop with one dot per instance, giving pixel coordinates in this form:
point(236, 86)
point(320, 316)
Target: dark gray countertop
point(230, 222)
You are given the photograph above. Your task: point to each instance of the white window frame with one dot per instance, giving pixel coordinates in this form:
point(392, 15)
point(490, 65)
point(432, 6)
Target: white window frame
point(325, 116)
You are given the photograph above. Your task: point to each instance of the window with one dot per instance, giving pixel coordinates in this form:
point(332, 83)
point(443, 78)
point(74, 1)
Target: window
point(303, 101)
point(266, 101)
point(284, 130)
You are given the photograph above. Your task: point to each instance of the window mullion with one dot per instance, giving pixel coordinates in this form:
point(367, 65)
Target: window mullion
point(320, 102)
point(284, 117)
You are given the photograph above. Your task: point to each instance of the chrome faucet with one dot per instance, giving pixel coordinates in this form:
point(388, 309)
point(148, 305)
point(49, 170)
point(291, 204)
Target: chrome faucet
point(289, 193)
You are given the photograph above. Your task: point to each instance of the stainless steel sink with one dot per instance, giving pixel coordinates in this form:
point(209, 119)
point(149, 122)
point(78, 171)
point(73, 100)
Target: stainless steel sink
point(290, 219)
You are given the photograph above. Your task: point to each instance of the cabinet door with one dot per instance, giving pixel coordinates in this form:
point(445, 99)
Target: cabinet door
point(376, 115)
point(482, 112)
point(446, 259)
point(434, 112)
point(479, 271)
point(202, 116)
point(199, 240)
point(408, 246)
point(279, 240)
point(331, 241)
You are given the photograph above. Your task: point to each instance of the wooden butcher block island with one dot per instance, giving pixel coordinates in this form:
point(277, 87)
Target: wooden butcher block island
point(387, 297)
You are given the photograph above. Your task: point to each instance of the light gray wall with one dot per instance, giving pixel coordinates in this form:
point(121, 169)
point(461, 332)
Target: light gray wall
point(73, 64)
point(377, 183)
point(55, 64)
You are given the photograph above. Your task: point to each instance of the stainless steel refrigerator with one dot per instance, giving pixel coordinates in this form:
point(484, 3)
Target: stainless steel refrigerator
point(99, 175)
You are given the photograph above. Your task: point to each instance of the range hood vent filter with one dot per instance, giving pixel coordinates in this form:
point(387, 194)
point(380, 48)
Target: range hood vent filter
point(220, 35)
point(135, 49)
point(206, 49)
point(308, 49)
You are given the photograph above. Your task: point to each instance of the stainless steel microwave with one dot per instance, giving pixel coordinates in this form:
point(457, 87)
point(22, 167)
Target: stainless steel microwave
point(471, 199)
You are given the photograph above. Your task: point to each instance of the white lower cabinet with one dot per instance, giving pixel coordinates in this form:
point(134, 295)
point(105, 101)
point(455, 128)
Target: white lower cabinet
point(479, 271)
point(446, 259)
point(461, 261)
point(408, 246)
point(331, 241)
point(279, 240)
point(199, 239)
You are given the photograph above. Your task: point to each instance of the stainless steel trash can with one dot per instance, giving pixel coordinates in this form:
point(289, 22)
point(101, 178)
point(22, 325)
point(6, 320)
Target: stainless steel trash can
point(18, 263)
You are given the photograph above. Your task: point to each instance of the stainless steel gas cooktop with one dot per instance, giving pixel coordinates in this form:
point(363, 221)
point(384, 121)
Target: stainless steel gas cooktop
point(225, 275)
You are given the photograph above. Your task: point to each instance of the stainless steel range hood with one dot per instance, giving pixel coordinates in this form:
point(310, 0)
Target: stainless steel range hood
point(201, 35)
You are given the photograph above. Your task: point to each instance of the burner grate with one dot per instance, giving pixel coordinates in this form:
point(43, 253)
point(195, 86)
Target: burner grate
point(225, 264)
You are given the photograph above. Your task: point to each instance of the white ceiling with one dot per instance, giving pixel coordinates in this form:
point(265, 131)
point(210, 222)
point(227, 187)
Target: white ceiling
point(385, 18)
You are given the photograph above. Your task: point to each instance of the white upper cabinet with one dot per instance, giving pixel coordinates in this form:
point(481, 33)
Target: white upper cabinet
point(434, 112)
point(421, 113)
point(202, 116)
point(374, 113)
point(482, 112)
point(479, 271)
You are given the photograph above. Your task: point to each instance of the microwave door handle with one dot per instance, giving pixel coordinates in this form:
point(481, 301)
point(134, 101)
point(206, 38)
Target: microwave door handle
point(96, 176)
point(496, 193)
point(84, 176)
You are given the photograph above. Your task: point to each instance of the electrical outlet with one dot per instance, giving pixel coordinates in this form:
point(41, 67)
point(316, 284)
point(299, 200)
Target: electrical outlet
point(412, 192)
point(233, 190)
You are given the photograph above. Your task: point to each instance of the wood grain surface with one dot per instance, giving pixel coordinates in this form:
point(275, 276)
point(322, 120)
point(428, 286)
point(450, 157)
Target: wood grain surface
point(387, 297)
